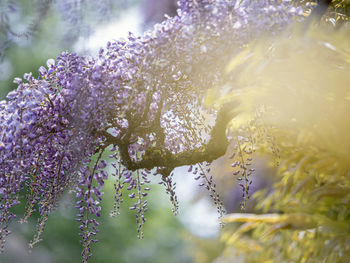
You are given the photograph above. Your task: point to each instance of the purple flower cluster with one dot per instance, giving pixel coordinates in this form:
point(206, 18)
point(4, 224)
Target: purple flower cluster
point(142, 95)
point(170, 190)
point(201, 171)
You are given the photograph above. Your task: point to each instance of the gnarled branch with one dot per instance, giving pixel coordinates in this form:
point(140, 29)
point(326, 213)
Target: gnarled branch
point(167, 161)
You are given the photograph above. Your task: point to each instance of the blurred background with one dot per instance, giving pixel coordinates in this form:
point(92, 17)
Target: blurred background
point(32, 32)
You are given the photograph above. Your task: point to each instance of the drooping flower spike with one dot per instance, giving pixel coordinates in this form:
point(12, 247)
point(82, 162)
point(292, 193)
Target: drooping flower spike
point(141, 97)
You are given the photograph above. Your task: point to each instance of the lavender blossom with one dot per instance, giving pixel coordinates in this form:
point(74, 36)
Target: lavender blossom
point(143, 96)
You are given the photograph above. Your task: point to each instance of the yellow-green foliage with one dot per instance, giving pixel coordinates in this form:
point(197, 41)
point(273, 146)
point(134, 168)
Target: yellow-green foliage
point(300, 85)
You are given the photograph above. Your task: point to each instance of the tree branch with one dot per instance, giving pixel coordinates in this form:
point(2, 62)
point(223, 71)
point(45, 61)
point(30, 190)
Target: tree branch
point(318, 12)
point(167, 161)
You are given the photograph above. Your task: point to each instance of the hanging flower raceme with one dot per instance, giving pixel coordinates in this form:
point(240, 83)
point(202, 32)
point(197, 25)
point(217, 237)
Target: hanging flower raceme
point(143, 96)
